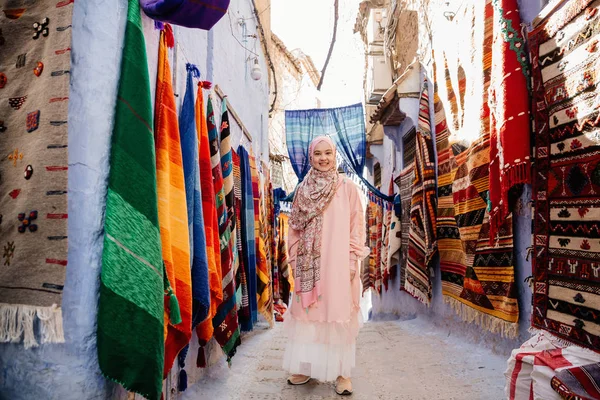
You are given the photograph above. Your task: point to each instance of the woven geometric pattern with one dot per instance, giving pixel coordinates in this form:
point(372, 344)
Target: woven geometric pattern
point(421, 242)
point(566, 62)
point(477, 273)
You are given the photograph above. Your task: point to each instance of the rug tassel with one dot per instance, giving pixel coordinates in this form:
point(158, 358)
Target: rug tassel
point(201, 360)
point(174, 311)
point(487, 322)
point(183, 381)
point(17, 323)
point(169, 37)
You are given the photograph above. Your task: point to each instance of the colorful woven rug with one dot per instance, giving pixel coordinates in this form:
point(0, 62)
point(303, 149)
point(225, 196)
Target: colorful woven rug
point(509, 112)
point(565, 57)
point(479, 283)
point(172, 207)
point(404, 182)
point(268, 235)
point(578, 383)
point(222, 253)
point(130, 333)
point(264, 287)
point(422, 244)
point(35, 68)
point(248, 241)
point(386, 256)
point(372, 273)
point(286, 275)
point(225, 323)
point(211, 224)
point(375, 239)
point(191, 169)
point(240, 276)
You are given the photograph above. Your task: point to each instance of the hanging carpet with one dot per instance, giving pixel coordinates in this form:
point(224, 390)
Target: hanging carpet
point(421, 233)
point(211, 224)
point(172, 206)
point(479, 283)
point(248, 240)
point(225, 322)
point(404, 182)
point(130, 330)
point(35, 65)
point(566, 193)
point(191, 168)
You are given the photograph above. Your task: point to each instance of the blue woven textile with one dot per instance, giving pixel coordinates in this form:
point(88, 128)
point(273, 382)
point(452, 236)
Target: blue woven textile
point(191, 170)
point(248, 240)
point(345, 126)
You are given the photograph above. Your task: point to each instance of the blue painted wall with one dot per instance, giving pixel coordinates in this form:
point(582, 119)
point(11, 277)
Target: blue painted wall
point(70, 370)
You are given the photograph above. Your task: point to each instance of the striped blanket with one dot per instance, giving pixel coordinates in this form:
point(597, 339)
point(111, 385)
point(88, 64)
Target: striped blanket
point(477, 276)
point(225, 323)
point(266, 220)
point(422, 243)
point(191, 166)
point(578, 383)
point(211, 224)
point(248, 240)
point(240, 276)
point(130, 329)
point(172, 208)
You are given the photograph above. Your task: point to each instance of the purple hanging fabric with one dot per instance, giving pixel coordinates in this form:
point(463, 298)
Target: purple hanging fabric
point(201, 14)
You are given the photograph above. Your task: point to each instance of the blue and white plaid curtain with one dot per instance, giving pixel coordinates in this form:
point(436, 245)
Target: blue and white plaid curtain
point(345, 126)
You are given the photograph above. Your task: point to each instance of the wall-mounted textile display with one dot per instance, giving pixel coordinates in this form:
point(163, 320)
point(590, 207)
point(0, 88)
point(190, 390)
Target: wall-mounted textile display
point(35, 67)
point(172, 209)
point(478, 276)
point(565, 62)
point(130, 333)
point(422, 244)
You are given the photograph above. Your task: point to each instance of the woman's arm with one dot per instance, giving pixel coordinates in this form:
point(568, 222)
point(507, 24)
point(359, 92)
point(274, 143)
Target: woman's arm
point(358, 250)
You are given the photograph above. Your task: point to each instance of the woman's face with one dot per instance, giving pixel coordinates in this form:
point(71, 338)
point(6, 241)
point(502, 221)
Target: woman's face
point(323, 157)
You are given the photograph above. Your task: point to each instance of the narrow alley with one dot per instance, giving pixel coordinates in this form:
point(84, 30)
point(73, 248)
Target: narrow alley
point(396, 360)
point(299, 199)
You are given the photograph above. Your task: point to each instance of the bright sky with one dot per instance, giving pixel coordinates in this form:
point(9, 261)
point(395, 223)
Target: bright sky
point(308, 25)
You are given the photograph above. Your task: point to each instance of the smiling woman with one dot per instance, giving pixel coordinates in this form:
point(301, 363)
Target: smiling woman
point(326, 242)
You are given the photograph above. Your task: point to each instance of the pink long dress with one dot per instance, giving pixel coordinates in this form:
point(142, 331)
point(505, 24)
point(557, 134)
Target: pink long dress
point(322, 340)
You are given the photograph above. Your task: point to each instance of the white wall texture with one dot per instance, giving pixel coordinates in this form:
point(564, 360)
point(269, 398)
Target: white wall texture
point(70, 370)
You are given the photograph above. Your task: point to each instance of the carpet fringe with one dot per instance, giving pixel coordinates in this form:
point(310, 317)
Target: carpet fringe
point(17, 323)
point(417, 294)
point(487, 322)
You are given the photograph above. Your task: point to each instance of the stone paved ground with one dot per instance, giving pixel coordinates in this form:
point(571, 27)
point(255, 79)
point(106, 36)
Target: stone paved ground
point(402, 360)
